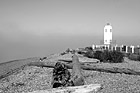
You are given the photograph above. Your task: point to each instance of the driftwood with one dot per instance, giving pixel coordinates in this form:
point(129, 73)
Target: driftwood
point(77, 76)
point(84, 66)
point(93, 67)
point(82, 60)
point(75, 89)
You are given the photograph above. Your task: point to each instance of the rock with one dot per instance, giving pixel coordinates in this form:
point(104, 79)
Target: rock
point(61, 76)
point(41, 59)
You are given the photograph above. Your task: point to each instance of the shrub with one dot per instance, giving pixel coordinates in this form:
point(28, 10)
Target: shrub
point(82, 53)
point(139, 58)
point(89, 54)
point(134, 57)
point(79, 52)
point(63, 53)
point(73, 51)
point(116, 56)
point(99, 55)
point(88, 48)
point(68, 50)
point(103, 56)
point(126, 54)
point(106, 56)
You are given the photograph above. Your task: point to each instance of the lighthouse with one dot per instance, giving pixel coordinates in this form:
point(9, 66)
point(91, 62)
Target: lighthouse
point(107, 34)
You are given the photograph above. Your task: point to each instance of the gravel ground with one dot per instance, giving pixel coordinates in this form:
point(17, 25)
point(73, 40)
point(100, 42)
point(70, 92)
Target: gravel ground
point(33, 78)
point(114, 83)
point(27, 79)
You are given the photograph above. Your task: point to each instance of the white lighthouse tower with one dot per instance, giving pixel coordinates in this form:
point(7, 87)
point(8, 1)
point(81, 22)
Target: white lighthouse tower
point(107, 34)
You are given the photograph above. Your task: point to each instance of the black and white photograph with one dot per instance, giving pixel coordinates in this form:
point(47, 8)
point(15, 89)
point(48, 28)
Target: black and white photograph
point(69, 46)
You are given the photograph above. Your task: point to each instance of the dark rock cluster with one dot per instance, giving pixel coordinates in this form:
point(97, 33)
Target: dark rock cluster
point(61, 76)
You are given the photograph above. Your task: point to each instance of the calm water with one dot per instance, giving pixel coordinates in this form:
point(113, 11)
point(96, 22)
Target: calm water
point(39, 47)
point(42, 46)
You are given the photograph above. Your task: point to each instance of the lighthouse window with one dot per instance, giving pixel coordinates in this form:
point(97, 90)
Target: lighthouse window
point(105, 30)
point(110, 30)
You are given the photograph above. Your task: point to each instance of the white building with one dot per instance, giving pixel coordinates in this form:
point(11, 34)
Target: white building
point(107, 34)
point(132, 47)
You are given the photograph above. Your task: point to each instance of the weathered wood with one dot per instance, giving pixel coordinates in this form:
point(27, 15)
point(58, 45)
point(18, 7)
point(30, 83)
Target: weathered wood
point(88, 67)
point(68, 60)
point(82, 60)
point(75, 89)
point(77, 75)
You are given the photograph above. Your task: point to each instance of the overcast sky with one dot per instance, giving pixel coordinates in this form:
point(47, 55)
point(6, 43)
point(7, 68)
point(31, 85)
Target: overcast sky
point(30, 28)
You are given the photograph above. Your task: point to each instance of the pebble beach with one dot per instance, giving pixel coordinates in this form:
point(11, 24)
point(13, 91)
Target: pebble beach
point(32, 78)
